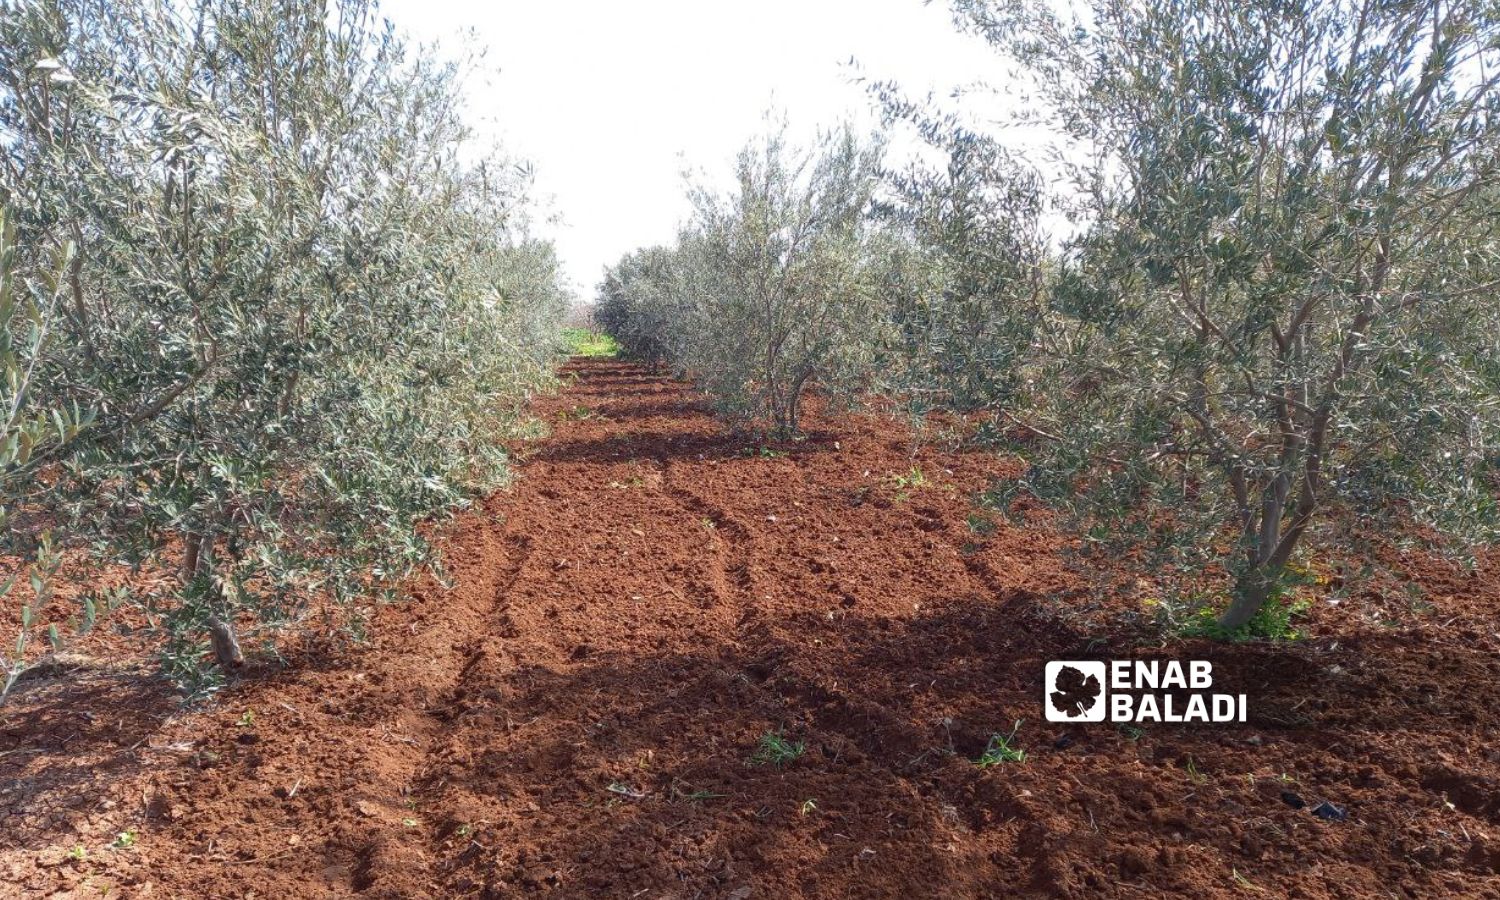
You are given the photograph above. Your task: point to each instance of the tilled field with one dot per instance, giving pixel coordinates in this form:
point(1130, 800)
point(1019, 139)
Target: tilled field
point(577, 712)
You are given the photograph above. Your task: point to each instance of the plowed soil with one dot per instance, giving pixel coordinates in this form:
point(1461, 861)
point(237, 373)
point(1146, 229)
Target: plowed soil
point(577, 709)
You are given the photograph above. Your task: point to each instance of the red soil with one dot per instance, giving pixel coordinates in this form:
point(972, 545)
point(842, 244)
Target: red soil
point(575, 714)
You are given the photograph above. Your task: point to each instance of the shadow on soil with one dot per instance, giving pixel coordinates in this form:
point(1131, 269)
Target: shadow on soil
point(62, 740)
point(892, 716)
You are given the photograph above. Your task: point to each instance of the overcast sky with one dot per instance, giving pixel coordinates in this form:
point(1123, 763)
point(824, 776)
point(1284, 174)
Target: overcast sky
point(611, 101)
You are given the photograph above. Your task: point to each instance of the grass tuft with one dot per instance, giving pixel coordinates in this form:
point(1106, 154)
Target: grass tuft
point(590, 344)
point(775, 750)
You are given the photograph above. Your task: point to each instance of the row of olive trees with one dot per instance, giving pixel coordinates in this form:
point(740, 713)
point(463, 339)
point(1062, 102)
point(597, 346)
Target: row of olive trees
point(770, 287)
point(1274, 324)
point(298, 312)
point(1284, 301)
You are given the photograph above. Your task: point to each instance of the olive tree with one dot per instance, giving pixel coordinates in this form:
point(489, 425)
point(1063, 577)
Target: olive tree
point(966, 261)
point(1285, 300)
point(771, 285)
point(302, 313)
point(635, 305)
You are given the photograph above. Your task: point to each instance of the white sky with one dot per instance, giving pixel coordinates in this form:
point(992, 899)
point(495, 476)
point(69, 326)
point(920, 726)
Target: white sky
point(612, 101)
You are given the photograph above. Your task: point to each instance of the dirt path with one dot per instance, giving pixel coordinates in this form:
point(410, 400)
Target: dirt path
point(578, 710)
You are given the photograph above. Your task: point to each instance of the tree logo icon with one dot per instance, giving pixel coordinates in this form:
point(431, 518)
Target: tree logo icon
point(1074, 691)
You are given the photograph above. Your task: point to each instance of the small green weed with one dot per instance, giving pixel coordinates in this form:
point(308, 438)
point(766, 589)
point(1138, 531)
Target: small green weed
point(776, 750)
point(125, 839)
point(1195, 776)
point(763, 452)
point(1196, 615)
point(578, 414)
point(914, 480)
point(702, 796)
point(1002, 749)
point(1244, 882)
point(1273, 622)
